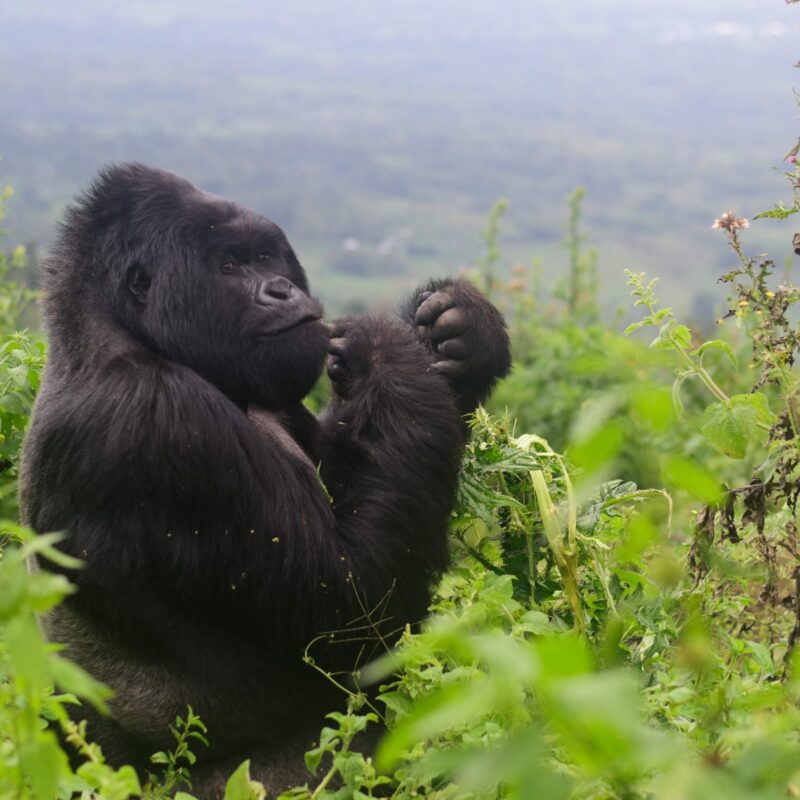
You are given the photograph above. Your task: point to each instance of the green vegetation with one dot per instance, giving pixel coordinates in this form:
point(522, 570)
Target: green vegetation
point(620, 620)
point(622, 617)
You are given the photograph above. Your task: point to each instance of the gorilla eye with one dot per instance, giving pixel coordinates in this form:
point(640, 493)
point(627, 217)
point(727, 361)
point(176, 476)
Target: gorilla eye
point(229, 267)
point(263, 256)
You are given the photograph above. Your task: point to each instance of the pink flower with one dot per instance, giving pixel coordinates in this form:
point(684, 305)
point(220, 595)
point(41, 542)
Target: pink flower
point(730, 222)
point(792, 159)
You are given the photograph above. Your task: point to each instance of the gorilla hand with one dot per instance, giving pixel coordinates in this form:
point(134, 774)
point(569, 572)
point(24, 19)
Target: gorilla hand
point(466, 336)
point(337, 362)
point(371, 351)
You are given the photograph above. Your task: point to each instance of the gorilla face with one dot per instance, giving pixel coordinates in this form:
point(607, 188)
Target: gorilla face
point(230, 300)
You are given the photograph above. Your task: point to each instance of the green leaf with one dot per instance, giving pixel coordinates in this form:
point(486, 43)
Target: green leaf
point(448, 707)
point(563, 657)
point(599, 448)
point(652, 405)
point(75, 680)
point(47, 590)
point(125, 783)
point(534, 622)
point(677, 402)
point(13, 583)
point(761, 655)
point(730, 428)
point(682, 335)
point(397, 702)
point(111, 785)
point(635, 326)
point(19, 375)
point(717, 344)
point(780, 211)
point(672, 335)
point(759, 403)
point(693, 479)
point(43, 763)
point(240, 787)
point(27, 651)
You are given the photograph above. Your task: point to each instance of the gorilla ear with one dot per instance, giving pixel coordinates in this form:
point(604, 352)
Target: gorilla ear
point(138, 282)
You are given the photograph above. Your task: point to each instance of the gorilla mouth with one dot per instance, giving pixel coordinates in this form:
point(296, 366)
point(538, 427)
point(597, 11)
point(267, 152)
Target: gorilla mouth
point(304, 320)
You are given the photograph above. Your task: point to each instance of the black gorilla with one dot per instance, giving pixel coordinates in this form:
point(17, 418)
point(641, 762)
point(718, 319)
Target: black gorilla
point(222, 526)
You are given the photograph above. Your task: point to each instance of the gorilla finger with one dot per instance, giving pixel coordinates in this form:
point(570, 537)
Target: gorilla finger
point(450, 369)
point(452, 349)
point(337, 329)
point(449, 325)
point(337, 346)
point(423, 297)
point(432, 307)
point(336, 368)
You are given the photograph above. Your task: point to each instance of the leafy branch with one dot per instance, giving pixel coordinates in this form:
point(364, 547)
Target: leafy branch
point(729, 424)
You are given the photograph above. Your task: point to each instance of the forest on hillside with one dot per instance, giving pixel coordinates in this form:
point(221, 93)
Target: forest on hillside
point(398, 131)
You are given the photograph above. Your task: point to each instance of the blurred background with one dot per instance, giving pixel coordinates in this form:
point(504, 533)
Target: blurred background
point(379, 134)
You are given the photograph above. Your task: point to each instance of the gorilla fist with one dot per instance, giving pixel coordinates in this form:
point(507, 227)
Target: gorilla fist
point(465, 336)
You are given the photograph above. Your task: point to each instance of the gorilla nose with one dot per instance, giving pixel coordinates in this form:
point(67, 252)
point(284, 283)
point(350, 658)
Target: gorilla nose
point(275, 290)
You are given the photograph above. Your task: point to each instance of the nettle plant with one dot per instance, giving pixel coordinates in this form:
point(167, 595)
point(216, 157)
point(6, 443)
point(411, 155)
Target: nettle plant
point(729, 423)
point(755, 522)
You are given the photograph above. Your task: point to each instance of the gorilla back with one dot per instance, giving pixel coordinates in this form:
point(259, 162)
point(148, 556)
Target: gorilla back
point(170, 443)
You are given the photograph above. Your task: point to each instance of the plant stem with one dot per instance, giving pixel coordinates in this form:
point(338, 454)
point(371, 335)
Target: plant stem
point(700, 370)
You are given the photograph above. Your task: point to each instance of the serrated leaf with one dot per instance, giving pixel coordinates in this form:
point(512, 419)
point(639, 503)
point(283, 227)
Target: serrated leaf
point(682, 335)
point(730, 428)
point(759, 403)
point(633, 327)
point(718, 344)
point(396, 702)
point(19, 375)
point(779, 212)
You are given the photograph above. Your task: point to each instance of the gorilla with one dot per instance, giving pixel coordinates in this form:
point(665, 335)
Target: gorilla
point(222, 526)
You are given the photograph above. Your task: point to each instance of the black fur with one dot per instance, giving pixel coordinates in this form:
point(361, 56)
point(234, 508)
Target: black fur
point(169, 442)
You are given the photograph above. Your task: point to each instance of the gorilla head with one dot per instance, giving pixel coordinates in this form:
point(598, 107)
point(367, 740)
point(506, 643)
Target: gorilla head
point(195, 278)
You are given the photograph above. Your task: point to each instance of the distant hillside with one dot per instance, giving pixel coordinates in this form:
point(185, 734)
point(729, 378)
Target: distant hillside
point(378, 135)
